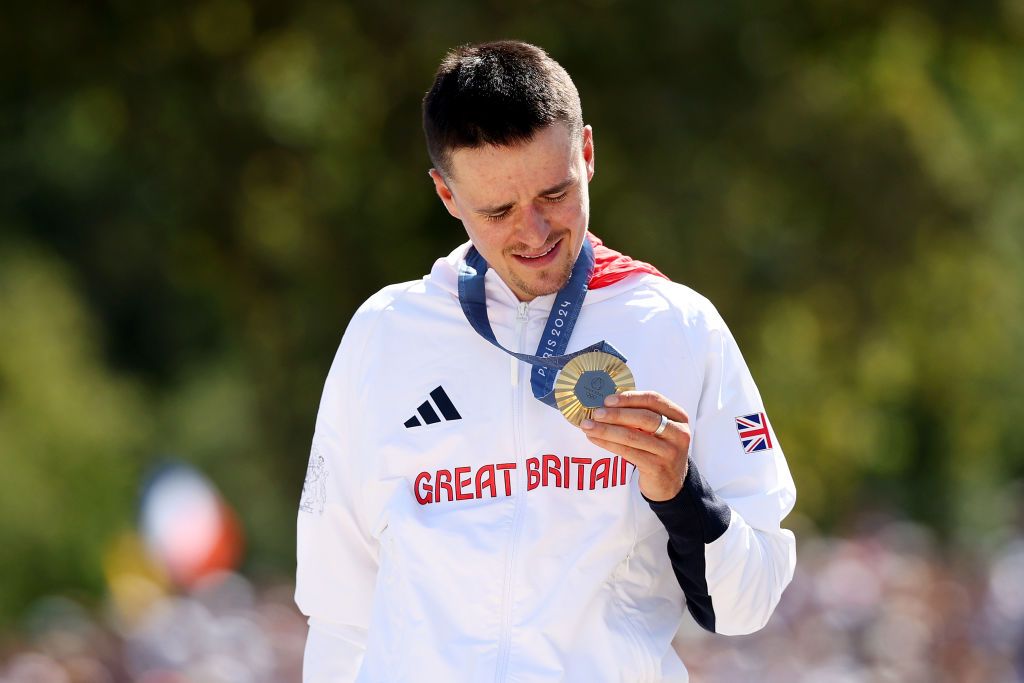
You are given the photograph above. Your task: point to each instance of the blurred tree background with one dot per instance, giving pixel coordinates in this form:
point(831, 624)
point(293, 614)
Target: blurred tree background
point(197, 195)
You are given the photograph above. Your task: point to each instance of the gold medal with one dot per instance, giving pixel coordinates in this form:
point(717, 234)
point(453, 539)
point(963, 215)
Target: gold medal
point(586, 380)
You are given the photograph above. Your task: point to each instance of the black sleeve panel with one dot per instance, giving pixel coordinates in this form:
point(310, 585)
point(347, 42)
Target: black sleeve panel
point(694, 518)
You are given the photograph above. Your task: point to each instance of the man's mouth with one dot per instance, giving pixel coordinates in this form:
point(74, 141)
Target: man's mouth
point(541, 258)
point(543, 253)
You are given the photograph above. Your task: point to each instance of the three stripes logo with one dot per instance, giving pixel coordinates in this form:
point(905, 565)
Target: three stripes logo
point(428, 410)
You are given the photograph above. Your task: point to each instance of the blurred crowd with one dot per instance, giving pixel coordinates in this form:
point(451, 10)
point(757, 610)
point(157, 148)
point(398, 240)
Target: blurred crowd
point(880, 607)
point(884, 605)
point(224, 631)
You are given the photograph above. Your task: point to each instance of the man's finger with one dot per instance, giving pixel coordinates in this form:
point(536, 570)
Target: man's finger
point(628, 436)
point(650, 400)
point(644, 420)
point(642, 460)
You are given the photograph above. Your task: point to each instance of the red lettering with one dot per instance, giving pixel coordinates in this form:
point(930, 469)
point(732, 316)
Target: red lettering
point(444, 481)
point(580, 477)
point(600, 473)
point(462, 482)
point(485, 479)
point(552, 465)
point(532, 473)
point(507, 468)
point(423, 484)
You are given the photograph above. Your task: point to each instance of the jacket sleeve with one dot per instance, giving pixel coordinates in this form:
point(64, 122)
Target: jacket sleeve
point(337, 555)
point(727, 548)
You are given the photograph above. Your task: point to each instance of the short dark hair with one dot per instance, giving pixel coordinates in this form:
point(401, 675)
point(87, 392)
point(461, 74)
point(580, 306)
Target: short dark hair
point(498, 93)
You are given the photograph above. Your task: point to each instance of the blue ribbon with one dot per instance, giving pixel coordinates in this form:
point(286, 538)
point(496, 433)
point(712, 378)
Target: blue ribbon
point(564, 313)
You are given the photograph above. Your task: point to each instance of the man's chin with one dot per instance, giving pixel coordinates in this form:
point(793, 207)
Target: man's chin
point(543, 284)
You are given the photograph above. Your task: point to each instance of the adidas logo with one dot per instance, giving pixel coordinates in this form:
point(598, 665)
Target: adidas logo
point(428, 412)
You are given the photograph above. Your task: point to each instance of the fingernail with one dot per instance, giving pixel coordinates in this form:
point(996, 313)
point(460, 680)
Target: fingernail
point(600, 412)
point(611, 400)
point(587, 424)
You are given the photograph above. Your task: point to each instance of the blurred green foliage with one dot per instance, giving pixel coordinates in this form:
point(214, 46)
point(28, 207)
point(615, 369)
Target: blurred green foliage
point(197, 195)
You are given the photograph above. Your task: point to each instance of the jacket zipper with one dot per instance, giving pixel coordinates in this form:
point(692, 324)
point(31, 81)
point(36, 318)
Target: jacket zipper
point(505, 640)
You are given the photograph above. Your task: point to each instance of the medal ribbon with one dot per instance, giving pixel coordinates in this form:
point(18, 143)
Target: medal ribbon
point(551, 356)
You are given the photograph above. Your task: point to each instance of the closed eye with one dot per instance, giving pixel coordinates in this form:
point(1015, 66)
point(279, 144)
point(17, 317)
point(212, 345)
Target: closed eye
point(496, 217)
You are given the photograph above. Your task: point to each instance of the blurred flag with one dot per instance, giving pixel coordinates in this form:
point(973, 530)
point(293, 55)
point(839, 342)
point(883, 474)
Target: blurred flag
point(188, 528)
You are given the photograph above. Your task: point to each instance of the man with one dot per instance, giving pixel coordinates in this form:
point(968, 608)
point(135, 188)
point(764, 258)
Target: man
point(469, 531)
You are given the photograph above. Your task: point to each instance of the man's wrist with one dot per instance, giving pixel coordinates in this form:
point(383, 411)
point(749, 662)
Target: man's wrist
point(695, 512)
point(668, 499)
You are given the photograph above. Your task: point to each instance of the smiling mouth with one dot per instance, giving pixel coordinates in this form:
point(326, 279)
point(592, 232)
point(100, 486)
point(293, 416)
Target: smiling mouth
point(542, 254)
point(542, 259)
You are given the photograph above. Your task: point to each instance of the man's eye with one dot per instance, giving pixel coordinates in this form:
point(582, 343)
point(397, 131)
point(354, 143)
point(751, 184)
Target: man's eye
point(557, 197)
point(495, 217)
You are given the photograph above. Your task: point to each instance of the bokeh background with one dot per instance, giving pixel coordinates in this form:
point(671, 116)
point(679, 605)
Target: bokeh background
point(195, 197)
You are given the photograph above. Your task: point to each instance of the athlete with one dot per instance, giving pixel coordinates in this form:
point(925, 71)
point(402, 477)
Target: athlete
point(464, 528)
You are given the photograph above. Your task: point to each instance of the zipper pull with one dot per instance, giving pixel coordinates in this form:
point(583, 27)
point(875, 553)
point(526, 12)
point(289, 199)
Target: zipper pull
point(521, 318)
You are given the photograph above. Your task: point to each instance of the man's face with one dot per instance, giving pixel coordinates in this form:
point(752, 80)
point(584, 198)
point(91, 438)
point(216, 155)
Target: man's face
point(525, 207)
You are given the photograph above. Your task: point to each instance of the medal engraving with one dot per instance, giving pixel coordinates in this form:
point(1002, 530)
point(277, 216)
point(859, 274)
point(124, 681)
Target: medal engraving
point(586, 380)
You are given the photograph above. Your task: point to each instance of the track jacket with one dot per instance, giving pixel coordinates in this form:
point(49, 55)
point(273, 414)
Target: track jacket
point(454, 528)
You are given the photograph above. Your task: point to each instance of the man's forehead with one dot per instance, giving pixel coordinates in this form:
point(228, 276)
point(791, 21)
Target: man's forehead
point(543, 161)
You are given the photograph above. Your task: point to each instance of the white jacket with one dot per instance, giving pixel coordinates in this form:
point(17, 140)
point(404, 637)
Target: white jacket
point(484, 538)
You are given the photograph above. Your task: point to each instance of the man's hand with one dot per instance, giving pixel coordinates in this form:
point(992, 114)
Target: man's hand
point(626, 426)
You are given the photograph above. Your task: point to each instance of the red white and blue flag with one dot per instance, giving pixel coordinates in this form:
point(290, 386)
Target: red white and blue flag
point(753, 431)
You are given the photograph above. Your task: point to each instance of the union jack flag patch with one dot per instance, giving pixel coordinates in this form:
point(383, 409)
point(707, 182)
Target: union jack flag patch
point(753, 431)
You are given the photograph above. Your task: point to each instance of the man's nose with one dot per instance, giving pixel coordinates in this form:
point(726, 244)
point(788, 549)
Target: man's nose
point(534, 228)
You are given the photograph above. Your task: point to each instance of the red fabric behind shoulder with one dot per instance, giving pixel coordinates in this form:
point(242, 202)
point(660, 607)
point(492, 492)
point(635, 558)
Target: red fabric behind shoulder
point(611, 266)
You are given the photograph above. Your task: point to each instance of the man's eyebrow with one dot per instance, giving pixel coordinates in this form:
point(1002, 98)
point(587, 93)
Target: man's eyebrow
point(554, 189)
point(491, 210)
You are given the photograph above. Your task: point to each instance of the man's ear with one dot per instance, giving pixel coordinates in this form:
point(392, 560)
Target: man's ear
point(444, 192)
point(588, 151)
